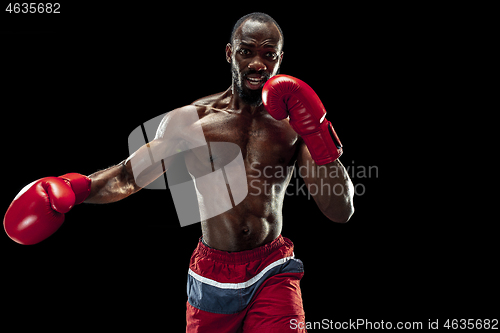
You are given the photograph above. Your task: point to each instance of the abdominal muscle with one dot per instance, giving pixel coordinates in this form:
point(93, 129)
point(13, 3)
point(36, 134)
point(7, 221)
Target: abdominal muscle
point(244, 224)
point(254, 222)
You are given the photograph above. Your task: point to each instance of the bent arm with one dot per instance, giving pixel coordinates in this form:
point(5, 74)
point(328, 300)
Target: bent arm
point(329, 185)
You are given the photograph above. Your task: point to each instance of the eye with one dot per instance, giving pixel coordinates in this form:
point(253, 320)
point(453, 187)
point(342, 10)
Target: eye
point(244, 51)
point(271, 55)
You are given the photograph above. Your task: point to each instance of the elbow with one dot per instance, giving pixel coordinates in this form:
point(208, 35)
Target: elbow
point(127, 179)
point(340, 216)
point(347, 216)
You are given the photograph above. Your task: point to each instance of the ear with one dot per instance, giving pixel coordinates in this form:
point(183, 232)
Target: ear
point(281, 56)
point(229, 52)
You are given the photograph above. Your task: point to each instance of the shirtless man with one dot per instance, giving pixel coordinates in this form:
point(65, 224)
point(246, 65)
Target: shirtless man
point(243, 275)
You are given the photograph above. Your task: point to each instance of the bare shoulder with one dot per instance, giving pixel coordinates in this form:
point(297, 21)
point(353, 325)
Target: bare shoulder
point(217, 101)
point(209, 100)
point(176, 121)
point(180, 119)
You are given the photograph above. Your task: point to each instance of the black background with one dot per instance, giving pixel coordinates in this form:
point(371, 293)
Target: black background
point(75, 85)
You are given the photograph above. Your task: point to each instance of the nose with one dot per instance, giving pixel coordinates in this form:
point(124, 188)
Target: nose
point(257, 64)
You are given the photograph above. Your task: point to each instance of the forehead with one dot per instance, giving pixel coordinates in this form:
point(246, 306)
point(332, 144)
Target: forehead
point(258, 33)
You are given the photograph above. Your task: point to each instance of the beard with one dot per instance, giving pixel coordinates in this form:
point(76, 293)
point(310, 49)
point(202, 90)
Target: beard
point(248, 96)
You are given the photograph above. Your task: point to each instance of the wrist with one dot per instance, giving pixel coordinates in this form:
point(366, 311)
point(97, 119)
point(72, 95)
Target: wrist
point(324, 144)
point(80, 185)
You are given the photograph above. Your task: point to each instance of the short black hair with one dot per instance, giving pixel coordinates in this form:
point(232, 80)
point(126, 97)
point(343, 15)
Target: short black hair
point(259, 17)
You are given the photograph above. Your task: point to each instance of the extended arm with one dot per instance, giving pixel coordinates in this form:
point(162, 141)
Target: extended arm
point(118, 182)
point(149, 161)
point(39, 208)
point(112, 184)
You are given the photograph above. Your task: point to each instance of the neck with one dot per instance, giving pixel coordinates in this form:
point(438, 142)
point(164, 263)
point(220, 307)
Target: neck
point(236, 103)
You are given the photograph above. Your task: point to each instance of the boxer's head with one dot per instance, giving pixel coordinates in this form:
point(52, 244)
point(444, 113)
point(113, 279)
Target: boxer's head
point(255, 55)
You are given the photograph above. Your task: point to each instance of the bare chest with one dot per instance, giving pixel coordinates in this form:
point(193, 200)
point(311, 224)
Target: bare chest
point(262, 140)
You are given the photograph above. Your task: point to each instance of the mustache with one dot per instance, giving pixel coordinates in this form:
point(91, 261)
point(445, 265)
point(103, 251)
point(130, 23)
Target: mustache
point(262, 73)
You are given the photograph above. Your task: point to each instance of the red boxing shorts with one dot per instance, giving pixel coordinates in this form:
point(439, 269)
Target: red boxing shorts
point(248, 291)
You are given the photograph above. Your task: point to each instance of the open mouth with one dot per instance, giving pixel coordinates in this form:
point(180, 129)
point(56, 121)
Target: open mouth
point(254, 81)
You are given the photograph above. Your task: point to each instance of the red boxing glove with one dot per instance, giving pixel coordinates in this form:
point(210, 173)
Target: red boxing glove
point(38, 210)
point(284, 96)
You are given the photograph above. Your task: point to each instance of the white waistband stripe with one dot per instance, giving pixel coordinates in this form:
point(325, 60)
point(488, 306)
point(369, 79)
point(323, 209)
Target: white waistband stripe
point(240, 285)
